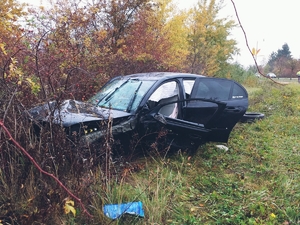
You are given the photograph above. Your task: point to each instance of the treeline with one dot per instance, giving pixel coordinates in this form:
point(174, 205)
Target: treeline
point(283, 63)
point(70, 48)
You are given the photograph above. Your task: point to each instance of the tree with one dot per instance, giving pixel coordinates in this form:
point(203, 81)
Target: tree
point(280, 59)
point(209, 45)
point(79, 46)
point(158, 39)
point(10, 12)
point(175, 31)
point(284, 52)
point(13, 78)
point(10, 30)
point(292, 66)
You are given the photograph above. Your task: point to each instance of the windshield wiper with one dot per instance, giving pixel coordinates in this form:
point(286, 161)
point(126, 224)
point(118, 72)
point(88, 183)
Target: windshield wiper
point(108, 96)
point(133, 98)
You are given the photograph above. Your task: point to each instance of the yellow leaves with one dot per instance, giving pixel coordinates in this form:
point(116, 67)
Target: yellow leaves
point(143, 57)
point(9, 15)
point(69, 207)
point(15, 72)
point(87, 42)
point(16, 75)
point(2, 47)
point(34, 85)
point(94, 10)
point(208, 40)
point(62, 19)
point(255, 51)
point(102, 34)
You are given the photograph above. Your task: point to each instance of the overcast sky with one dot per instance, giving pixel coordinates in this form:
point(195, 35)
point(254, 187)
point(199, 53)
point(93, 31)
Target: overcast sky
point(268, 24)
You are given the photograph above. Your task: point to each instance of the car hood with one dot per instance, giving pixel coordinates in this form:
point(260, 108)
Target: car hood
point(71, 112)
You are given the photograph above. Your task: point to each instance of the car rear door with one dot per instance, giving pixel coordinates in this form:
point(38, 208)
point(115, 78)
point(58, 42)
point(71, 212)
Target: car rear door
point(217, 104)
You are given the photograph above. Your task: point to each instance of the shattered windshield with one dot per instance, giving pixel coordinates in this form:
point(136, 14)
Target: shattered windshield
point(121, 94)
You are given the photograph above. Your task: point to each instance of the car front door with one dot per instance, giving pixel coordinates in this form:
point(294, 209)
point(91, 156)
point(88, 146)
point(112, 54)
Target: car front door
point(165, 111)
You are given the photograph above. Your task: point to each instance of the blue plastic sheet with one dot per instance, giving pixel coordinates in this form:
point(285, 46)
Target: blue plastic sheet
point(114, 211)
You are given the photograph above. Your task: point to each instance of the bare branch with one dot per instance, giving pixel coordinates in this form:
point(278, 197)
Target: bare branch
point(246, 39)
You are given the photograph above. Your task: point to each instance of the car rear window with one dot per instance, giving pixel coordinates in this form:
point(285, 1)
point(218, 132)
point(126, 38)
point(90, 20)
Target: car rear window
point(218, 89)
point(238, 92)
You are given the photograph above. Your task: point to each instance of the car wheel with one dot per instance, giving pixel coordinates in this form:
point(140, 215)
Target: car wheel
point(250, 117)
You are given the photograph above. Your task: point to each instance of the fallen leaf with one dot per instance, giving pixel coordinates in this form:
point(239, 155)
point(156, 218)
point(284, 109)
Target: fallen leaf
point(69, 207)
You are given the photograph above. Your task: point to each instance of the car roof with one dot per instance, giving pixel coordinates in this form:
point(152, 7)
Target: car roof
point(161, 75)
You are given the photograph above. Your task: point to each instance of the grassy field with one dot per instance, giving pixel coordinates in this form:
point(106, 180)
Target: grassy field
point(293, 80)
point(255, 181)
point(285, 80)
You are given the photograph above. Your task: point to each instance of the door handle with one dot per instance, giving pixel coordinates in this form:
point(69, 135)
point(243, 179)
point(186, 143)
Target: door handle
point(233, 109)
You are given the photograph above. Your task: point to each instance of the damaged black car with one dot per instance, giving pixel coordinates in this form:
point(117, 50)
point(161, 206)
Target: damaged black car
point(192, 109)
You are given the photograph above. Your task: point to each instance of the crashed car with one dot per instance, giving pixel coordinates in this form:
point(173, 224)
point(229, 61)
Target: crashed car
point(192, 108)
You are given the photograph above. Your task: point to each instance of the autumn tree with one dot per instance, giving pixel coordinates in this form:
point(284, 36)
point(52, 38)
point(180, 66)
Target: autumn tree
point(97, 40)
point(10, 13)
point(10, 30)
point(292, 66)
point(176, 31)
point(157, 39)
point(209, 45)
point(79, 45)
point(14, 80)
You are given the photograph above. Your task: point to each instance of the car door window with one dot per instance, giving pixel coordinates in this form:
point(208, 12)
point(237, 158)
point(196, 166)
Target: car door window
point(188, 87)
point(213, 89)
point(238, 92)
point(164, 94)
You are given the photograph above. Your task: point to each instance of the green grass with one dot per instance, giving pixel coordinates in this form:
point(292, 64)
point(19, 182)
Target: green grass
point(256, 181)
point(286, 79)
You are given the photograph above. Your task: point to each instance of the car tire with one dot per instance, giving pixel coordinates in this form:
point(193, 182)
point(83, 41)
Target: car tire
point(250, 117)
